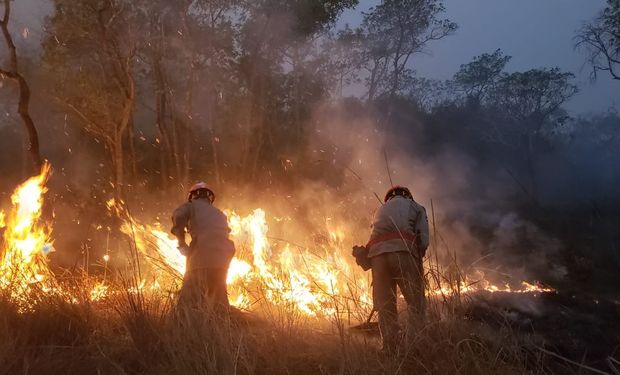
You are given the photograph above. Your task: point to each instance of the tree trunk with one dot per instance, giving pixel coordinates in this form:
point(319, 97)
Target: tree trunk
point(122, 128)
point(24, 90)
point(24, 112)
point(188, 120)
point(256, 158)
point(175, 151)
point(214, 141)
point(297, 82)
point(160, 112)
point(260, 128)
point(376, 75)
point(187, 141)
point(117, 157)
point(131, 140)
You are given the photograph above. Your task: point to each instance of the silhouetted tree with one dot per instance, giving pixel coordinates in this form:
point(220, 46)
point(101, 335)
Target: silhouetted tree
point(528, 101)
point(392, 33)
point(531, 97)
point(13, 72)
point(479, 77)
point(600, 39)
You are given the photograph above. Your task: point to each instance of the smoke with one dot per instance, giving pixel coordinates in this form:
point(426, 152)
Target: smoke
point(334, 179)
point(472, 216)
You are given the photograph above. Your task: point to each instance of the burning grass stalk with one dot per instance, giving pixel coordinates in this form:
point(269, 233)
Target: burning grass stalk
point(302, 305)
point(139, 331)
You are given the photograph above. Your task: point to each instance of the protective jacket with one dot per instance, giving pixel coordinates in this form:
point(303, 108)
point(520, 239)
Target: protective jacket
point(400, 224)
point(210, 246)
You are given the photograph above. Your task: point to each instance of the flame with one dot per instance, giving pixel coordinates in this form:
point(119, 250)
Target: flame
point(312, 283)
point(99, 291)
point(317, 281)
point(26, 240)
point(238, 270)
point(308, 282)
point(299, 280)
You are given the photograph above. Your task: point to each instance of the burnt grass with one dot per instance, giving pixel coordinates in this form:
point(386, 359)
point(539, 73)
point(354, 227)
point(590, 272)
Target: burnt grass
point(578, 327)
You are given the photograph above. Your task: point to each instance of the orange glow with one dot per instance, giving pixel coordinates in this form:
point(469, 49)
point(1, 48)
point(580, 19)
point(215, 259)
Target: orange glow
point(23, 263)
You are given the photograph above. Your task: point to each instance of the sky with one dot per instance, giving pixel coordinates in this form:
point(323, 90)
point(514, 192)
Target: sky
point(536, 33)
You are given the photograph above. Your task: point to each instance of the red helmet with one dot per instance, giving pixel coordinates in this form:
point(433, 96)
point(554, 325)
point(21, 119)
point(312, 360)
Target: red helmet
point(398, 190)
point(201, 190)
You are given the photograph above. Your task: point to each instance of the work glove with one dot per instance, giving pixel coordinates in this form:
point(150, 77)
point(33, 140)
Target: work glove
point(361, 257)
point(184, 250)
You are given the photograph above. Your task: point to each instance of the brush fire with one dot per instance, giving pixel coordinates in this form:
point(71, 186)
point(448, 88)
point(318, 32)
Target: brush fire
point(318, 282)
point(289, 187)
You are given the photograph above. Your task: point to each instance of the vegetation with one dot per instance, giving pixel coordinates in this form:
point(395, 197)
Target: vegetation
point(13, 72)
point(142, 334)
point(277, 104)
point(600, 39)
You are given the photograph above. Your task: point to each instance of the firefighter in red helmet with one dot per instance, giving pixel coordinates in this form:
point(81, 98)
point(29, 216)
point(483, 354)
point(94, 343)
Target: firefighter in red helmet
point(209, 253)
point(397, 245)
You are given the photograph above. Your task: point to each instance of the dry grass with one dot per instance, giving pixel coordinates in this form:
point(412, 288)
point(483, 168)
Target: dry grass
point(141, 334)
point(138, 332)
point(133, 331)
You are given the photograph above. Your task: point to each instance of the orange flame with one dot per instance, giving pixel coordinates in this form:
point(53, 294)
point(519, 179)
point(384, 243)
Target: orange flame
point(318, 282)
point(23, 262)
point(314, 285)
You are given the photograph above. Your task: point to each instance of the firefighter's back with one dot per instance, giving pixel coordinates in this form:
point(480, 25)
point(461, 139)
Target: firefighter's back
point(208, 227)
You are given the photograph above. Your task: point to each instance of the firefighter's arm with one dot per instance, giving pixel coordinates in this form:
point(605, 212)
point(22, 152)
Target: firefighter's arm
point(180, 219)
point(422, 232)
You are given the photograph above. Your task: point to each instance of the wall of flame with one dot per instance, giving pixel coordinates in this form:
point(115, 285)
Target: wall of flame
point(316, 282)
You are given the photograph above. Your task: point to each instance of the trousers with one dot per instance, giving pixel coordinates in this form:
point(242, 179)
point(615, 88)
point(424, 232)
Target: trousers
point(204, 288)
point(406, 271)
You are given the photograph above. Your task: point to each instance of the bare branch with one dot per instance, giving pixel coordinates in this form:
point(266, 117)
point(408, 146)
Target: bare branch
point(24, 90)
point(597, 40)
point(92, 126)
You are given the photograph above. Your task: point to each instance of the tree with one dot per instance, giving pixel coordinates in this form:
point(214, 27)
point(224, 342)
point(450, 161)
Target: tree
point(345, 59)
point(600, 40)
point(188, 42)
point(14, 73)
point(312, 16)
point(91, 52)
point(531, 97)
point(479, 77)
point(280, 74)
point(391, 33)
point(529, 100)
point(428, 94)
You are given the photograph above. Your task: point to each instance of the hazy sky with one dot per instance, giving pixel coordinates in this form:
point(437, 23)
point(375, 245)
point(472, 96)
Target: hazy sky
point(536, 33)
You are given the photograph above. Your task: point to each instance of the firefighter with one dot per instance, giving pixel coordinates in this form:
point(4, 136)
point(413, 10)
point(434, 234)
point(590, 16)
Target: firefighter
point(397, 245)
point(209, 253)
